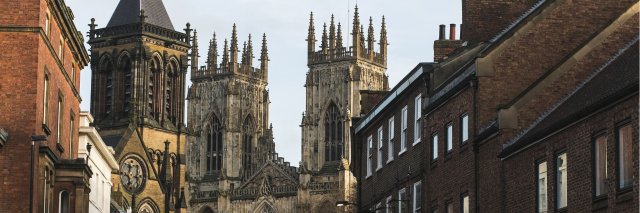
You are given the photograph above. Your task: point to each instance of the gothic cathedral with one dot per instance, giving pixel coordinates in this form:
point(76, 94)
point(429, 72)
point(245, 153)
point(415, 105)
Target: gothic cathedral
point(139, 65)
point(232, 163)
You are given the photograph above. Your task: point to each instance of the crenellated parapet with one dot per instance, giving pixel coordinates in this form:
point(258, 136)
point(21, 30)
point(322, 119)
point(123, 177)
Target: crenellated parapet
point(231, 64)
point(332, 48)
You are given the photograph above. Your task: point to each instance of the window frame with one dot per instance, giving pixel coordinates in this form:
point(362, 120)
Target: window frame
point(46, 95)
point(71, 132)
point(448, 129)
point(400, 192)
point(61, 49)
point(47, 23)
point(447, 204)
point(380, 145)
point(390, 137)
point(464, 128)
point(417, 202)
point(537, 181)
point(462, 207)
point(417, 118)
point(387, 203)
point(558, 178)
point(403, 130)
point(369, 156)
point(595, 137)
point(60, 116)
point(618, 127)
point(434, 146)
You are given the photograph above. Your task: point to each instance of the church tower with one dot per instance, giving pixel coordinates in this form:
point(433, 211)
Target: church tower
point(230, 149)
point(336, 76)
point(139, 64)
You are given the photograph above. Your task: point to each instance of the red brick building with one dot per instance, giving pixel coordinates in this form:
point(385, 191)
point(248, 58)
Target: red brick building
point(389, 150)
point(530, 86)
point(41, 57)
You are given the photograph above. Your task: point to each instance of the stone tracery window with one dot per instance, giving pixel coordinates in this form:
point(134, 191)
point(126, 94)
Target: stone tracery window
point(124, 89)
point(214, 145)
point(106, 82)
point(155, 75)
point(171, 92)
point(333, 134)
point(267, 209)
point(248, 132)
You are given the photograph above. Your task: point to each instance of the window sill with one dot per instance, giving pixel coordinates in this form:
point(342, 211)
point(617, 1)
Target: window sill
point(447, 156)
point(390, 160)
point(416, 142)
point(46, 129)
point(562, 210)
point(368, 176)
point(379, 168)
point(434, 164)
point(401, 152)
point(600, 202)
point(60, 148)
point(624, 196)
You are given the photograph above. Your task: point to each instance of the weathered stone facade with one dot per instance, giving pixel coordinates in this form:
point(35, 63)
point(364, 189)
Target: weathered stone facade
point(232, 164)
point(139, 65)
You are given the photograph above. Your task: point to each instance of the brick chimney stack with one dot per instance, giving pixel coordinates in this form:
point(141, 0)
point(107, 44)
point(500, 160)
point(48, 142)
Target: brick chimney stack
point(442, 46)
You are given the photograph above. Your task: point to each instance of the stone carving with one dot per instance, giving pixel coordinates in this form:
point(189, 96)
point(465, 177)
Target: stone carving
point(132, 174)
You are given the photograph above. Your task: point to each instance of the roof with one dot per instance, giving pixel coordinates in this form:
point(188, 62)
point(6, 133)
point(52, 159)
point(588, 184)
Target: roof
point(396, 92)
point(612, 81)
point(111, 140)
point(128, 11)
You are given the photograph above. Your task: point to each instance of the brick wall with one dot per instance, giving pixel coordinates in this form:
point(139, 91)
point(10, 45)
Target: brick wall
point(452, 173)
point(484, 19)
point(520, 170)
point(23, 59)
point(383, 182)
point(443, 47)
point(521, 64)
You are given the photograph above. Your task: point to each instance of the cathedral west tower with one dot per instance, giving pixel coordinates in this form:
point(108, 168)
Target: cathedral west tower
point(336, 76)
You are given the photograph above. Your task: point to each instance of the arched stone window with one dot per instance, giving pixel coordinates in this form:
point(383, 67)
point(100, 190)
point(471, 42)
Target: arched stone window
point(333, 134)
point(214, 145)
point(64, 202)
point(106, 85)
point(248, 132)
point(155, 76)
point(124, 87)
point(170, 94)
point(267, 209)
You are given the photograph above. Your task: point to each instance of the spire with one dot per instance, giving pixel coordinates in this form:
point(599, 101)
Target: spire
point(249, 53)
point(383, 39)
point(244, 53)
point(128, 12)
point(194, 52)
point(165, 170)
point(362, 47)
point(225, 55)
point(356, 33)
point(332, 37)
point(370, 37)
point(339, 39)
point(323, 45)
point(311, 38)
point(233, 60)
point(264, 57)
point(212, 60)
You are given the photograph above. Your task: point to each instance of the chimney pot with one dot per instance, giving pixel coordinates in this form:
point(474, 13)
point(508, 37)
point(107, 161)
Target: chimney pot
point(452, 32)
point(441, 37)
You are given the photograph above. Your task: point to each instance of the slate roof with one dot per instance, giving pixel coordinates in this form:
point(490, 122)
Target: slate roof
point(614, 80)
point(128, 11)
point(112, 140)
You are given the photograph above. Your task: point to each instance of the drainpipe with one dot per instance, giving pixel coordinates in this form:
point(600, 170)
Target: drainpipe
point(476, 148)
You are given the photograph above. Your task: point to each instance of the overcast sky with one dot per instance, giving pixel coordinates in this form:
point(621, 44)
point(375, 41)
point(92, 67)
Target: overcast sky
point(412, 26)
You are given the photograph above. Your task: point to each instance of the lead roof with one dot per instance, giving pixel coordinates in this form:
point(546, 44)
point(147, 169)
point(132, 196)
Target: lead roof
point(128, 11)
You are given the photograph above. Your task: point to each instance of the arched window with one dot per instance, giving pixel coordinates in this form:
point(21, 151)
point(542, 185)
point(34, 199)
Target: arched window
point(64, 202)
point(154, 88)
point(333, 134)
point(214, 145)
point(106, 85)
point(171, 91)
point(124, 89)
point(267, 209)
point(248, 131)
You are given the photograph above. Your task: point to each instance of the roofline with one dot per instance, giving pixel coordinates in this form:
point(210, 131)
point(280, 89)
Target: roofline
point(399, 89)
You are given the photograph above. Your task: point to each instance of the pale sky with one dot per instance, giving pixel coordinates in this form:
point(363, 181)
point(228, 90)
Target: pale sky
point(412, 27)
